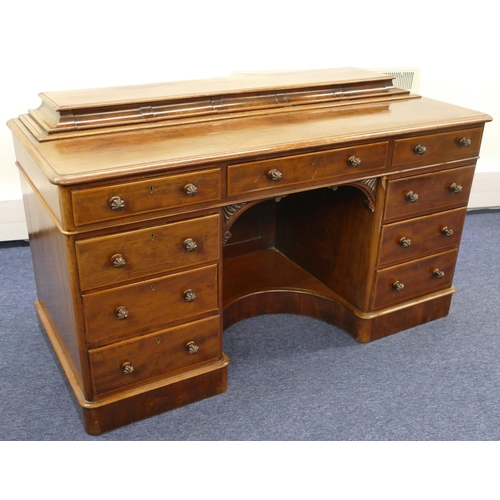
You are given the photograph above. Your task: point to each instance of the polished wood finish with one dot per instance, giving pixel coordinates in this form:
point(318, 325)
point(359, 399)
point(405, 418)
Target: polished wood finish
point(161, 214)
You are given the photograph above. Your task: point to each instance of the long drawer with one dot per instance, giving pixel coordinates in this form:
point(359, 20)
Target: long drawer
point(414, 238)
point(423, 194)
point(128, 308)
point(157, 354)
point(336, 164)
point(132, 198)
point(417, 278)
point(107, 260)
point(437, 148)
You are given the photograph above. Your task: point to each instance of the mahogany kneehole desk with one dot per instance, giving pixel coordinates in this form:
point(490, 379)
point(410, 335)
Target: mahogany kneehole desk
point(160, 215)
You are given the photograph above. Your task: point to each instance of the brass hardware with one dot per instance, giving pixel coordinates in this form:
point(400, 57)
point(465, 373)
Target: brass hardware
point(116, 203)
point(274, 175)
point(455, 188)
point(437, 273)
point(190, 189)
point(419, 149)
point(398, 286)
point(117, 260)
point(464, 142)
point(151, 189)
point(405, 242)
point(446, 231)
point(411, 197)
point(189, 245)
point(353, 161)
point(189, 295)
point(121, 312)
point(192, 348)
point(127, 368)
point(153, 287)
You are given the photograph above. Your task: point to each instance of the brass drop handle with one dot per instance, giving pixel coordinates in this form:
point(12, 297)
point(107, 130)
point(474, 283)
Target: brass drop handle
point(127, 368)
point(189, 245)
point(455, 188)
point(438, 273)
point(116, 203)
point(411, 197)
point(354, 161)
point(419, 149)
point(121, 312)
point(189, 295)
point(274, 175)
point(398, 286)
point(117, 260)
point(446, 231)
point(190, 189)
point(192, 348)
point(405, 242)
point(464, 142)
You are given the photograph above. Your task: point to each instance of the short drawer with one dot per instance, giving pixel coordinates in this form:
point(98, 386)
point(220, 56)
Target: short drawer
point(124, 309)
point(417, 278)
point(422, 194)
point(154, 355)
point(414, 238)
point(437, 148)
point(308, 168)
point(107, 260)
point(161, 193)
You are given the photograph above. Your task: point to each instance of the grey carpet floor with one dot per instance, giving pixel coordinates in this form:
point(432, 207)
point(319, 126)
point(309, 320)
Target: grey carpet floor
point(290, 377)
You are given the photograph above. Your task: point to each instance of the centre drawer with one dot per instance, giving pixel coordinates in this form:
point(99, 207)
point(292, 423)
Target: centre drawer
point(398, 284)
point(157, 354)
point(111, 259)
point(423, 194)
point(336, 164)
point(117, 201)
point(124, 309)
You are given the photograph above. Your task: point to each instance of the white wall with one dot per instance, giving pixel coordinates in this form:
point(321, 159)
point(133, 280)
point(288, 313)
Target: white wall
point(55, 45)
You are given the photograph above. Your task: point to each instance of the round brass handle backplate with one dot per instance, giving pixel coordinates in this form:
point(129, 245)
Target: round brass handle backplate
point(189, 295)
point(127, 368)
point(274, 175)
point(116, 203)
point(121, 312)
point(117, 260)
point(438, 273)
point(455, 188)
point(398, 286)
point(405, 242)
point(464, 142)
point(192, 348)
point(190, 189)
point(419, 149)
point(189, 245)
point(354, 161)
point(446, 231)
point(411, 197)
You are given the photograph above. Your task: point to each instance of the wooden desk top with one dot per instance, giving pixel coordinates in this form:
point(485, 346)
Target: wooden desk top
point(368, 110)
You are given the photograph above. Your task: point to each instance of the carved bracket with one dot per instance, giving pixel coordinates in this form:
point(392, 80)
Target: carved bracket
point(368, 186)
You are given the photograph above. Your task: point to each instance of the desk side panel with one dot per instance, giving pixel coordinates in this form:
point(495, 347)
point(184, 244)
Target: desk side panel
point(56, 287)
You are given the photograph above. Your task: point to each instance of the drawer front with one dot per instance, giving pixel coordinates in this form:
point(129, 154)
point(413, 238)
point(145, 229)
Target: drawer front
point(154, 355)
point(437, 148)
point(422, 194)
point(417, 278)
point(132, 198)
point(414, 238)
point(130, 255)
point(277, 172)
point(124, 309)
